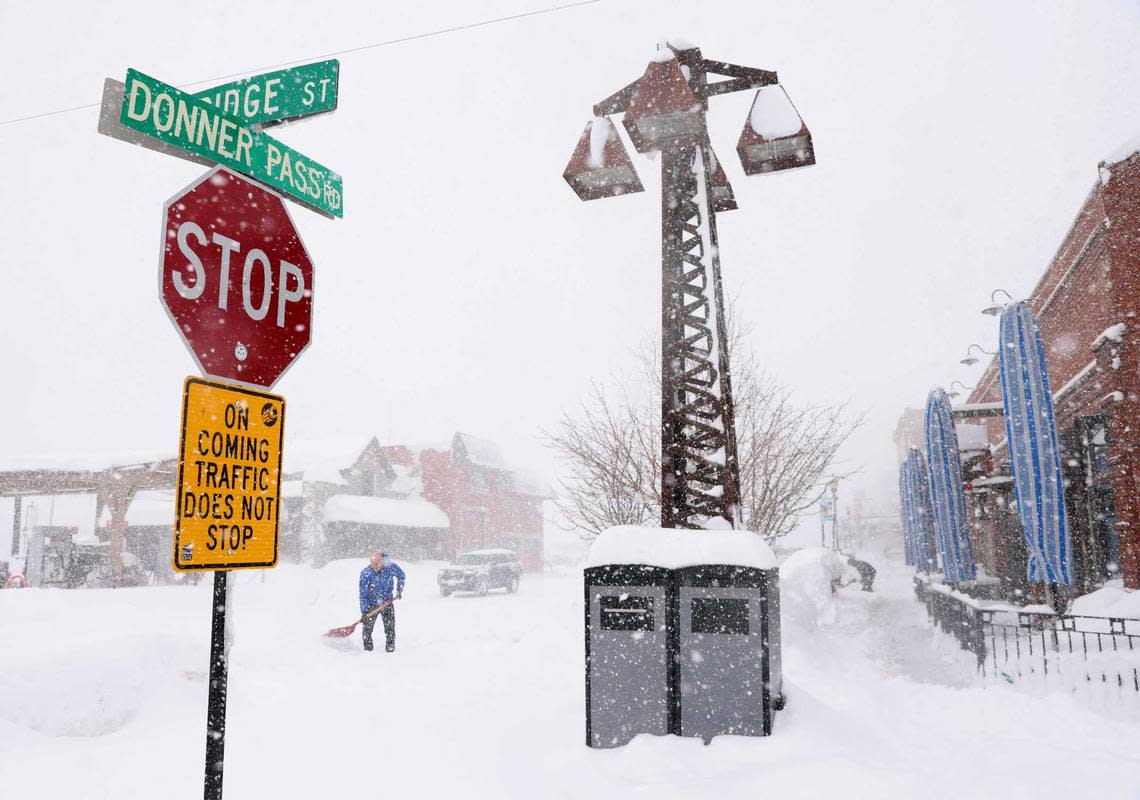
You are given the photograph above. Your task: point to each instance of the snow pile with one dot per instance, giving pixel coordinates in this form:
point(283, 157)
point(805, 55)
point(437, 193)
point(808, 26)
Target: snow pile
point(972, 437)
point(773, 115)
point(599, 134)
point(673, 548)
point(807, 576)
point(1111, 601)
point(1111, 333)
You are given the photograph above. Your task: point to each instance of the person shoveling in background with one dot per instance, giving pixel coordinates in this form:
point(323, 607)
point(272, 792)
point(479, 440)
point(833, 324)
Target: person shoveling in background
point(866, 572)
point(376, 592)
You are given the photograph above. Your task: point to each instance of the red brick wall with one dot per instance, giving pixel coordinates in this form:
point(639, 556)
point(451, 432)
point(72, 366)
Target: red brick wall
point(509, 516)
point(1122, 204)
point(1094, 282)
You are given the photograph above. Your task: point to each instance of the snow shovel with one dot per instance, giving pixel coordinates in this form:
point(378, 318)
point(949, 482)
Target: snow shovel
point(341, 633)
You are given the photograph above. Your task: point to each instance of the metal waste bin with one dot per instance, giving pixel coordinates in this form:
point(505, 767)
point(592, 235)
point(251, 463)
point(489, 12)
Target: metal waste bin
point(627, 653)
point(725, 678)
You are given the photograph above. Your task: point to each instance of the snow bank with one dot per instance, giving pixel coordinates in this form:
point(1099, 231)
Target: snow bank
point(806, 580)
point(673, 548)
point(1111, 601)
point(384, 511)
point(1112, 333)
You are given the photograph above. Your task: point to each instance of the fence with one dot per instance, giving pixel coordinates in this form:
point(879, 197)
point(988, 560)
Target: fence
point(1014, 644)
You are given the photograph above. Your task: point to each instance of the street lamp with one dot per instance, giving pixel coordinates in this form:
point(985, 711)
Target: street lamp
point(834, 487)
point(600, 166)
point(970, 360)
point(993, 309)
point(774, 135)
point(953, 393)
point(665, 112)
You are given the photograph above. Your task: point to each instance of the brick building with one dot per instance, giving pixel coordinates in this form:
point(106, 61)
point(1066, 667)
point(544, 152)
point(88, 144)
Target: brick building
point(488, 503)
point(345, 499)
point(1086, 304)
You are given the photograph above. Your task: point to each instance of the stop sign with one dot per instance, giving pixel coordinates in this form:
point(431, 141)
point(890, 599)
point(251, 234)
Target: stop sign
point(236, 278)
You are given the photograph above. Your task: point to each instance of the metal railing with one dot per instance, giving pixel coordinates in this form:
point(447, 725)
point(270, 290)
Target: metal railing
point(1014, 645)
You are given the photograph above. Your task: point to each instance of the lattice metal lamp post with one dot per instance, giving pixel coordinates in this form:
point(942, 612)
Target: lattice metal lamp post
point(665, 111)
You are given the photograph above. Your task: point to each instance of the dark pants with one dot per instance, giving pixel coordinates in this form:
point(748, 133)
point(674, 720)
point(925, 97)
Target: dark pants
point(388, 614)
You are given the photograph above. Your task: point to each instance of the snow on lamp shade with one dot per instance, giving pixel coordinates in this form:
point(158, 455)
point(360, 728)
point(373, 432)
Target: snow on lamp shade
point(774, 136)
point(600, 165)
point(664, 113)
point(1034, 453)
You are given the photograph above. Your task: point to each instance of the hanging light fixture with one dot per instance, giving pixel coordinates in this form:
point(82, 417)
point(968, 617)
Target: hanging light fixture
point(719, 187)
point(993, 309)
point(600, 165)
point(970, 360)
point(774, 135)
point(664, 113)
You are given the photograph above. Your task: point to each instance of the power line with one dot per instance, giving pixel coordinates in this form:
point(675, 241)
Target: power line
point(350, 50)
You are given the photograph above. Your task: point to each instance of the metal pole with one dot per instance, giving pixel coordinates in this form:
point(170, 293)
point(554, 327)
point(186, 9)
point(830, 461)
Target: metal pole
point(16, 509)
point(216, 705)
point(835, 521)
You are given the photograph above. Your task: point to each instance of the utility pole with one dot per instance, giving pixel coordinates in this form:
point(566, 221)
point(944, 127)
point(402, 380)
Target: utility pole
point(665, 112)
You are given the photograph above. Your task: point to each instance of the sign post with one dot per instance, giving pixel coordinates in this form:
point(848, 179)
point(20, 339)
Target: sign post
point(237, 282)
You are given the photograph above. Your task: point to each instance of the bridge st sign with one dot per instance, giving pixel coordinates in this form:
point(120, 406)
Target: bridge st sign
point(279, 96)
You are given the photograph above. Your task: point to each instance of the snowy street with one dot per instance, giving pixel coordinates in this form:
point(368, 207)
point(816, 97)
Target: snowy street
point(484, 698)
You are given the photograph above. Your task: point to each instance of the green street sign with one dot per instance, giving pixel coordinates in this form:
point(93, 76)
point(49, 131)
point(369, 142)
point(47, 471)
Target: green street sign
point(274, 97)
point(180, 119)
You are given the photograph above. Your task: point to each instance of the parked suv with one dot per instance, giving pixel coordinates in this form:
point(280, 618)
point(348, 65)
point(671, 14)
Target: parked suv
point(481, 570)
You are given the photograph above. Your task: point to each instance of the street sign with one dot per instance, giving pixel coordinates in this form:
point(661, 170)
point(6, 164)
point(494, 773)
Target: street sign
point(180, 119)
point(275, 97)
point(229, 477)
point(236, 278)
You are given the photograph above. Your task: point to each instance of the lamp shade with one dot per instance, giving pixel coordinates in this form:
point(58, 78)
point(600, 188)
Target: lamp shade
point(720, 189)
point(600, 165)
point(774, 135)
point(664, 113)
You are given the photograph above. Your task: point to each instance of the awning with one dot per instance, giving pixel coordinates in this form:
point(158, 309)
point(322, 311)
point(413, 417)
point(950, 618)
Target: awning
point(1034, 454)
point(914, 491)
point(947, 499)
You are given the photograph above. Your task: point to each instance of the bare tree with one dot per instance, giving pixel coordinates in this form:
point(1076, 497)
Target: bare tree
point(612, 449)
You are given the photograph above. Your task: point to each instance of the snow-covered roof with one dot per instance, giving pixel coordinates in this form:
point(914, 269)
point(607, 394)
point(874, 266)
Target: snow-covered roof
point(673, 548)
point(480, 452)
point(493, 551)
point(411, 513)
point(322, 460)
point(148, 508)
point(1123, 152)
point(83, 462)
point(292, 488)
point(773, 115)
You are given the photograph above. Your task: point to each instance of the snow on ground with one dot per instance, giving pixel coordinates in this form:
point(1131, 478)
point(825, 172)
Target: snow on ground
point(484, 698)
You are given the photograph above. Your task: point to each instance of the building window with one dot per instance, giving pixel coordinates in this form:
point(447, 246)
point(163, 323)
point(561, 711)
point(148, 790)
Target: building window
point(1098, 483)
point(478, 481)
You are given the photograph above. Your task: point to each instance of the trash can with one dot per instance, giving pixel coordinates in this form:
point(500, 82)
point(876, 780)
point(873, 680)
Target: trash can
point(724, 669)
point(627, 682)
point(682, 635)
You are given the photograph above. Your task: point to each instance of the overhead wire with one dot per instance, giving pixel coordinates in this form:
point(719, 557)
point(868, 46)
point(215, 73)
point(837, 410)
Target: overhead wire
point(347, 51)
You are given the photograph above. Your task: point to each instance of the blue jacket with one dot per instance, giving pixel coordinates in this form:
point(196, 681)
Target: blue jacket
point(376, 585)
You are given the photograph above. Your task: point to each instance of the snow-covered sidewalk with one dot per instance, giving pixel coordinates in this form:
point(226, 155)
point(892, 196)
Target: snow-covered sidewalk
point(103, 696)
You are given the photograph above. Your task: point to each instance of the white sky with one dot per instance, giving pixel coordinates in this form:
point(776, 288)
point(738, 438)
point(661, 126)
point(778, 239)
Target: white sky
point(468, 288)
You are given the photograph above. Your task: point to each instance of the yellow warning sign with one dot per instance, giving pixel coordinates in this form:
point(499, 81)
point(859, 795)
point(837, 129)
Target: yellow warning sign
point(229, 477)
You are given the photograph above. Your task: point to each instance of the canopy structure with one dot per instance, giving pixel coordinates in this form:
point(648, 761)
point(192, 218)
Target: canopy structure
point(914, 493)
point(904, 515)
point(947, 498)
point(1034, 454)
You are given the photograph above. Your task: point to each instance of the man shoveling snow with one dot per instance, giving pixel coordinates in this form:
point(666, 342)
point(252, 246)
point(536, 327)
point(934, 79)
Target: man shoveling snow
point(376, 593)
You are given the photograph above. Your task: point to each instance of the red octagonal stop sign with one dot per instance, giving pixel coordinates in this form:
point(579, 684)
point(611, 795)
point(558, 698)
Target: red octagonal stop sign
point(236, 278)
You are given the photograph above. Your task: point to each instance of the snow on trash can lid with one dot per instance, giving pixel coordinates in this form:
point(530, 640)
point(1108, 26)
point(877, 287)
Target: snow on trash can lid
point(673, 548)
